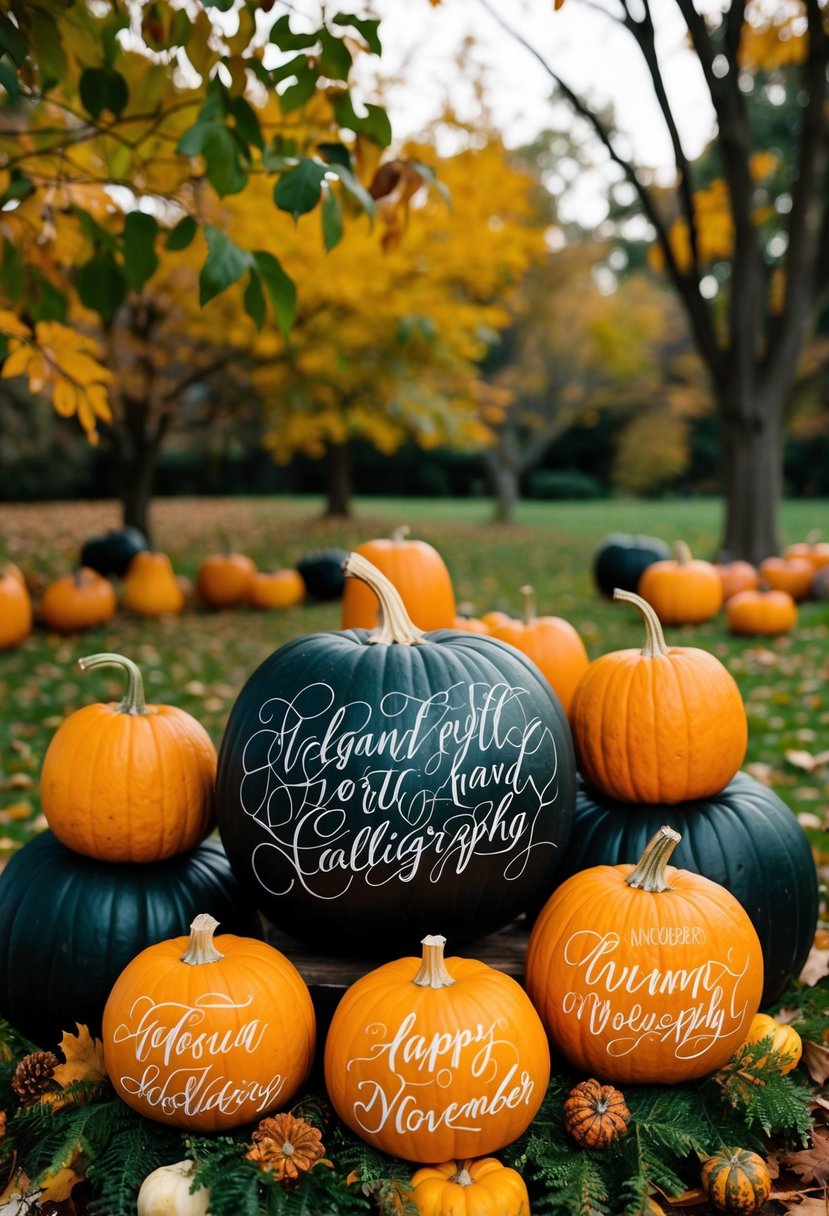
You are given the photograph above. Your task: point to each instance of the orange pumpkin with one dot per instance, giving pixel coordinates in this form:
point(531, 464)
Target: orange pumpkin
point(782, 1037)
point(645, 973)
point(208, 1035)
point(129, 782)
point(766, 612)
point(224, 579)
point(78, 601)
point(812, 548)
point(552, 643)
point(470, 1188)
point(736, 576)
point(418, 572)
point(471, 624)
point(431, 1059)
point(792, 574)
point(595, 1114)
point(682, 590)
point(736, 1180)
point(281, 589)
point(15, 607)
point(661, 724)
point(151, 587)
point(495, 618)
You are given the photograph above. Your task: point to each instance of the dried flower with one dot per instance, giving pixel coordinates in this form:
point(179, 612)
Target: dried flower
point(287, 1146)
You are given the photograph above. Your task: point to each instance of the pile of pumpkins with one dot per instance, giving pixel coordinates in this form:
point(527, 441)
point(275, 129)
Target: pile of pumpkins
point(404, 780)
point(758, 600)
point(86, 598)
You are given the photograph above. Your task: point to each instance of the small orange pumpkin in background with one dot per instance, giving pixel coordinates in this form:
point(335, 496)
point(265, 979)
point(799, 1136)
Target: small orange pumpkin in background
point(736, 576)
point(645, 973)
point(495, 618)
point(418, 572)
point(792, 574)
point(595, 1114)
point(553, 644)
point(128, 782)
point(78, 601)
point(280, 589)
point(736, 1180)
point(151, 587)
point(206, 1034)
point(661, 724)
point(783, 1039)
point(224, 579)
point(433, 1059)
point(761, 612)
point(682, 590)
point(470, 1188)
point(812, 548)
point(15, 607)
point(471, 624)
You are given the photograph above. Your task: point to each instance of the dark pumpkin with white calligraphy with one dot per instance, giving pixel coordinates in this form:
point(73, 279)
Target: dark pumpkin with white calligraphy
point(382, 783)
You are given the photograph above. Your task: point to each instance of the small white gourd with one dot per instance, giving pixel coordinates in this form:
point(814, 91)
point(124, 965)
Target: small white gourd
point(166, 1192)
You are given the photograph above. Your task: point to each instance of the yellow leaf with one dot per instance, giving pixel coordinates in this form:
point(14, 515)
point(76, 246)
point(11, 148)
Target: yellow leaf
point(65, 398)
point(18, 360)
point(58, 1186)
point(12, 326)
point(84, 1059)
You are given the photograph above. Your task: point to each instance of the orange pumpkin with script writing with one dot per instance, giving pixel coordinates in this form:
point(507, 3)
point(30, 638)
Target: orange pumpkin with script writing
point(645, 973)
point(433, 1059)
point(207, 1035)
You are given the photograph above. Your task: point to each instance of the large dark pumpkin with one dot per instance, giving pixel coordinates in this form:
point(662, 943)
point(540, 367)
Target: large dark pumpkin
point(113, 551)
point(745, 838)
point(621, 559)
point(70, 924)
point(321, 571)
point(373, 787)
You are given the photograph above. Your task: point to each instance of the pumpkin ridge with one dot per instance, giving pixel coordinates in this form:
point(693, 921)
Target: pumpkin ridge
point(100, 738)
point(686, 720)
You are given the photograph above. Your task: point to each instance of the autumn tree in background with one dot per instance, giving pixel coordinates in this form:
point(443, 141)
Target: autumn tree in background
point(749, 258)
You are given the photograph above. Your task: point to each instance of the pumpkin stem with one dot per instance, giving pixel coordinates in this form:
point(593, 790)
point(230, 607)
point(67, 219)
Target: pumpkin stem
point(463, 1176)
point(649, 873)
point(528, 593)
point(682, 553)
point(200, 948)
point(400, 533)
point(395, 624)
point(433, 973)
point(133, 700)
point(655, 639)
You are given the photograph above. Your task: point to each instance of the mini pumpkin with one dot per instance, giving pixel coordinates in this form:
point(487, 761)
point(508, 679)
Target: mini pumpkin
point(224, 579)
point(128, 782)
point(791, 574)
point(812, 548)
point(78, 601)
point(208, 1035)
point(280, 589)
point(621, 560)
point(418, 572)
point(736, 576)
point(595, 1114)
point(431, 1059)
point(784, 1039)
point(659, 724)
point(470, 1188)
point(553, 644)
point(151, 587)
point(761, 611)
point(736, 1180)
point(15, 607)
point(683, 590)
point(166, 1192)
point(645, 973)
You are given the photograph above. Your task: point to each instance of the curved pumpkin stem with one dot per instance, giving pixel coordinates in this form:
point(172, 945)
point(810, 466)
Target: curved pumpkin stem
point(682, 552)
point(463, 1176)
point(649, 874)
point(528, 593)
point(200, 948)
point(433, 973)
point(400, 533)
point(133, 701)
point(655, 639)
point(395, 623)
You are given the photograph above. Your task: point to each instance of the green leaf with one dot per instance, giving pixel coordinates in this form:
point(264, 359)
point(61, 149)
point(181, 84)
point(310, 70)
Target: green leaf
point(12, 41)
point(221, 151)
point(292, 67)
point(283, 36)
point(335, 61)
point(299, 190)
point(9, 82)
point(374, 125)
point(247, 122)
point(332, 219)
point(101, 285)
point(255, 299)
point(224, 6)
point(281, 289)
point(365, 26)
point(109, 39)
point(355, 188)
point(297, 94)
point(180, 236)
point(51, 59)
point(46, 302)
point(93, 231)
point(140, 257)
point(335, 154)
point(103, 89)
point(12, 272)
point(225, 264)
point(19, 187)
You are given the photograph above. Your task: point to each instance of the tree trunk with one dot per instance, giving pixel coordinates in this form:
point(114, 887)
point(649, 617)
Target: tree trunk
point(138, 472)
point(338, 481)
point(752, 476)
point(505, 491)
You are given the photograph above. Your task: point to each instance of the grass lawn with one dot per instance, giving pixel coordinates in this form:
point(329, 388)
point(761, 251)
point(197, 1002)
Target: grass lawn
point(200, 659)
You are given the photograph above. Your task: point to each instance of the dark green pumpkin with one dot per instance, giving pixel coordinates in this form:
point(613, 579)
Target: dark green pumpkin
point(322, 573)
point(70, 924)
point(373, 793)
point(112, 552)
point(744, 838)
point(621, 559)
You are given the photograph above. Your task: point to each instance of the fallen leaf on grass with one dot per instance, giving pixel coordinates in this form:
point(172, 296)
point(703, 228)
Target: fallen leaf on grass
point(816, 1061)
point(815, 967)
point(807, 760)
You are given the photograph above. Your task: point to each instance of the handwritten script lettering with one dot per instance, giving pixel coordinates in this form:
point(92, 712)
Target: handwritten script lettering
point(400, 789)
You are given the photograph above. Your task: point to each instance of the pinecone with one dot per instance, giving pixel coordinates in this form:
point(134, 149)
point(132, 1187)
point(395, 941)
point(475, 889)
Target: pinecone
point(33, 1075)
